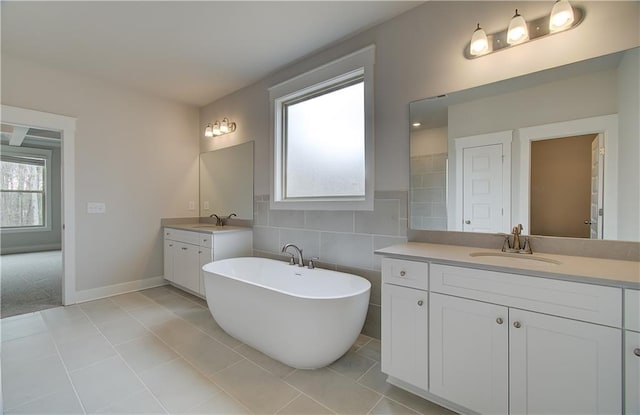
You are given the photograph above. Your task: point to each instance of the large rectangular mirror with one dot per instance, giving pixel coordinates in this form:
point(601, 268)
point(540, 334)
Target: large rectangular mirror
point(557, 151)
point(226, 181)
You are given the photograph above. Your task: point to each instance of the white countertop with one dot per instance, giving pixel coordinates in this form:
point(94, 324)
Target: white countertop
point(573, 268)
point(207, 228)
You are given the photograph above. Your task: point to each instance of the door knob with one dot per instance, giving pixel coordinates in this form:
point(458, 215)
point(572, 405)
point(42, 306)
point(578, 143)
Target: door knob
point(517, 324)
point(588, 222)
point(468, 222)
point(636, 351)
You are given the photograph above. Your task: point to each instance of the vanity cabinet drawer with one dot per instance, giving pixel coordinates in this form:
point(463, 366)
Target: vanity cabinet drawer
point(632, 309)
point(206, 240)
point(592, 303)
point(406, 273)
point(182, 236)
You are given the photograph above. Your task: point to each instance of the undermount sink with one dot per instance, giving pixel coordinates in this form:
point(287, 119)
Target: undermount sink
point(508, 255)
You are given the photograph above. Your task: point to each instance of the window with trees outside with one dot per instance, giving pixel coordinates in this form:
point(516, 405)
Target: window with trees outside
point(23, 191)
point(323, 137)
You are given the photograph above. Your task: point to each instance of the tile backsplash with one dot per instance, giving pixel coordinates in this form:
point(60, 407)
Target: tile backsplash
point(343, 240)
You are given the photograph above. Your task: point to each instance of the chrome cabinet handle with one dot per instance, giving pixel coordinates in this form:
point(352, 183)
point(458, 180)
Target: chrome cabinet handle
point(636, 351)
point(170, 245)
point(467, 222)
point(420, 302)
point(517, 324)
point(184, 249)
point(402, 273)
point(499, 320)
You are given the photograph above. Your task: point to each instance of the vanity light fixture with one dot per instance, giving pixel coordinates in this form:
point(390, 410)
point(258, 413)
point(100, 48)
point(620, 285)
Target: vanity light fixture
point(416, 124)
point(219, 128)
point(562, 17)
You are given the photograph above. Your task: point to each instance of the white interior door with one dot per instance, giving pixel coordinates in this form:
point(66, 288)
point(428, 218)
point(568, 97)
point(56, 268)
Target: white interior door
point(597, 171)
point(482, 196)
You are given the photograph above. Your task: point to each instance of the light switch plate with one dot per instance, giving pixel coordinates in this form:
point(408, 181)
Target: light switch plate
point(206, 205)
point(96, 207)
point(192, 205)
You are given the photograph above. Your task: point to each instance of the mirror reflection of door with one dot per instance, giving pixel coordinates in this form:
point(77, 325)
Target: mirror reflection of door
point(566, 187)
point(482, 188)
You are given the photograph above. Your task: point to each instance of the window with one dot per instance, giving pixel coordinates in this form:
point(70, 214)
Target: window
point(323, 137)
point(24, 182)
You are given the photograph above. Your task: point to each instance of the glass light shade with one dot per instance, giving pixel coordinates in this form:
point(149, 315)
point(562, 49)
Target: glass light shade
point(224, 126)
point(518, 31)
point(208, 131)
point(216, 128)
point(479, 43)
point(561, 16)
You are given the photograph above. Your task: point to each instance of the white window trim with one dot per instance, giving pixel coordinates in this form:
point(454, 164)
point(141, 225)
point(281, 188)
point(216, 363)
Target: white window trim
point(46, 154)
point(361, 60)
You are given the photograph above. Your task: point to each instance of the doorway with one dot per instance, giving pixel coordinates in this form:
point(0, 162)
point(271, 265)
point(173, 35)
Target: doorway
point(566, 187)
point(65, 127)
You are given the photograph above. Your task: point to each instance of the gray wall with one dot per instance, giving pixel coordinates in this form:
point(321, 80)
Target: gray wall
point(136, 153)
point(418, 54)
point(46, 240)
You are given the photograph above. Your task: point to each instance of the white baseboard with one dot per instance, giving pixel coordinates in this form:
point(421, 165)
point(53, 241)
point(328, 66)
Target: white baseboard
point(123, 288)
point(30, 248)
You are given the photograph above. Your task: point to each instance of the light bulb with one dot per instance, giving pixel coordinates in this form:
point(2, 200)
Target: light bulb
point(479, 43)
point(216, 128)
point(561, 16)
point(208, 131)
point(518, 31)
point(224, 126)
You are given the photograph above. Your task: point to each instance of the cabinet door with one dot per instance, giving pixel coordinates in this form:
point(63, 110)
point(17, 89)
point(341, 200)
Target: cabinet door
point(562, 366)
point(169, 252)
point(186, 268)
point(632, 372)
point(404, 334)
point(205, 256)
point(468, 353)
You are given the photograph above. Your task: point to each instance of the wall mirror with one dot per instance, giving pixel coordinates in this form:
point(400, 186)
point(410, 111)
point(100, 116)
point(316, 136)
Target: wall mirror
point(557, 150)
point(226, 181)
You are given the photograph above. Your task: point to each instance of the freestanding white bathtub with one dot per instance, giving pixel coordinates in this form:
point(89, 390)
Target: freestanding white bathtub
point(305, 318)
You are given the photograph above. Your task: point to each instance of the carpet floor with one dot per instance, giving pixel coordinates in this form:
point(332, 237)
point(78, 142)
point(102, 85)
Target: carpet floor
point(30, 282)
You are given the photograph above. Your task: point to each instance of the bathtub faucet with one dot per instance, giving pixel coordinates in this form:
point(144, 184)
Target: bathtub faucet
point(298, 253)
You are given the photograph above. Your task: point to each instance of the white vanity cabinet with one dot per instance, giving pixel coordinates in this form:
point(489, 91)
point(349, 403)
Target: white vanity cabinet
point(404, 321)
point(508, 343)
point(632, 351)
point(185, 252)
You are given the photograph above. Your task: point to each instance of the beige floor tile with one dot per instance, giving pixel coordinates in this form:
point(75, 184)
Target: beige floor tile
point(25, 381)
point(254, 387)
point(153, 315)
point(352, 365)
point(279, 369)
point(361, 341)
point(123, 330)
point(303, 405)
point(61, 316)
point(101, 384)
point(377, 381)
point(177, 303)
point(205, 322)
point(140, 403)
point(389, 407)
point(220, 404)
point(178, 386)
point(101, 311)
point(31, 347)
point(371, 350)
point(205, 353)
point(22, 326)
point(175, 331)
point(64, 402)
point(145, 353)
point(77, 354)
point(74, 330)
point(157, 292)
point(337, 392)
point(131, 301)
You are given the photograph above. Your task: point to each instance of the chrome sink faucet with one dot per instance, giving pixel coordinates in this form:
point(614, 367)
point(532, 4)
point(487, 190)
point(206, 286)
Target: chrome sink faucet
point(220, 220)
point(298, 253)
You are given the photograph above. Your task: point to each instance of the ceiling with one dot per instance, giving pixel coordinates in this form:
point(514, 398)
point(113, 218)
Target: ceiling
point(191, 52)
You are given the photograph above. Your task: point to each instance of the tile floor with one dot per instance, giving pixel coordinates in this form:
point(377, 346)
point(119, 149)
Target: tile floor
point(159, 351)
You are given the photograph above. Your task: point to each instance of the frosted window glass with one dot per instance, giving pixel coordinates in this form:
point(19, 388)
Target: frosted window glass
point(325, 145)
